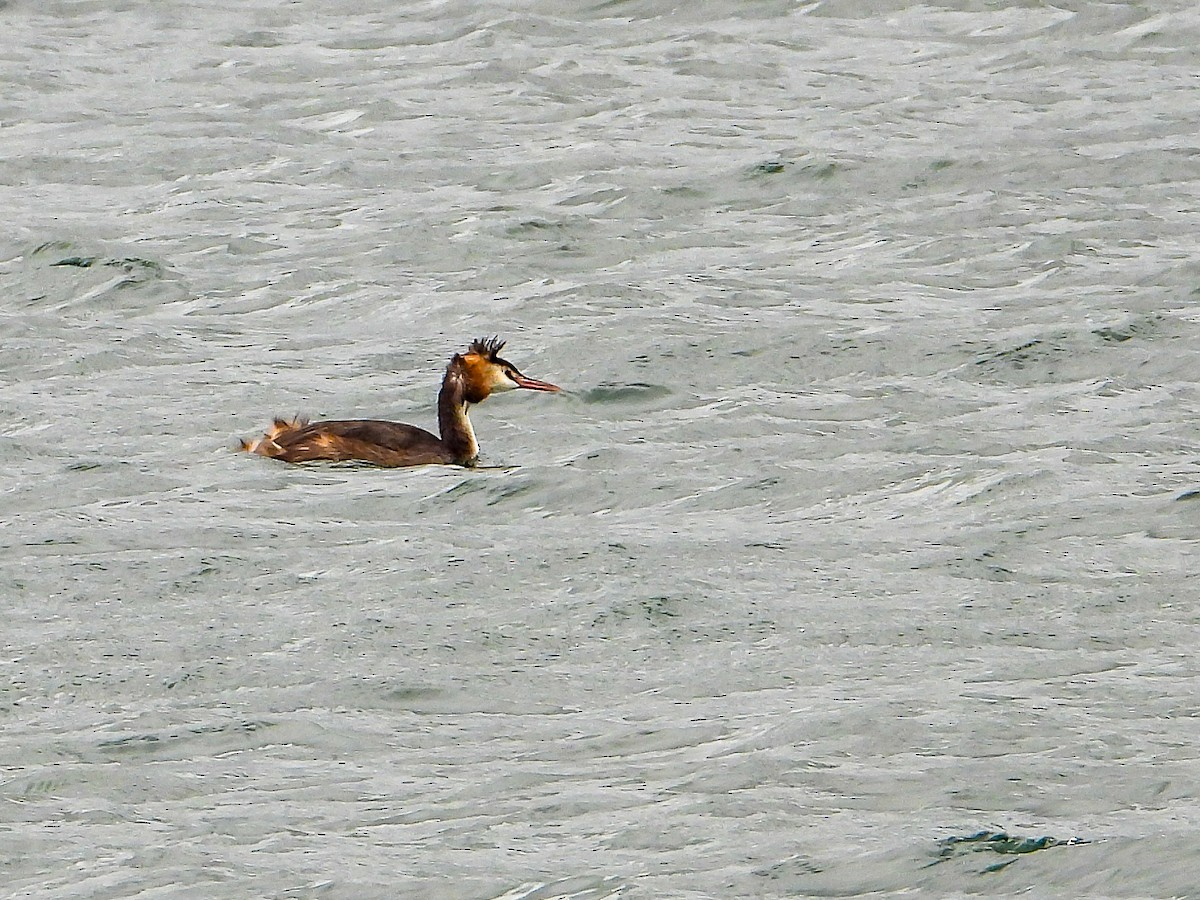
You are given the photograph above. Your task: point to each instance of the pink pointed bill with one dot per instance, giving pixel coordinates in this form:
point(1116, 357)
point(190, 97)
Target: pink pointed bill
point(533, 384)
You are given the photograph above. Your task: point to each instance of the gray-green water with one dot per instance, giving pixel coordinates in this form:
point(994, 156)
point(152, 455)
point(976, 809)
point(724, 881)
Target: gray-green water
point(858, 559)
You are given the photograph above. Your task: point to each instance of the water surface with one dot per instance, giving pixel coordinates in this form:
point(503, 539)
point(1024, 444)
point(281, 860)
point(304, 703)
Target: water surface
point(856, 560)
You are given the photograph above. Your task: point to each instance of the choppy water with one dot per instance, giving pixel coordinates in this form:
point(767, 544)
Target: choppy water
point(859, 559)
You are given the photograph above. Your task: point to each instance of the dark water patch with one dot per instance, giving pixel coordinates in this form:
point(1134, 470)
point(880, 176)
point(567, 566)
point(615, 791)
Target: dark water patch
point(91, 465)
point(180, 678)
point(924, 177)
point(816, 168)
point(631, 392)
point(651, 609)
point(262, 39)
point(55, 276)
point(130, 264)
point(461, 488)
point(556, 236)
point(766, 545)
point(430, 700)
point(676, 617)
point(1068, 354)
point(213, 739)
point(1016, 357)
point(684, 194)
point(1130, 329)
point(821, 170)
point(1114, 335)
point(130, 742)
point(1032, 361)
point(1000, 843)
point(510, 491)
point(770, 167)
point(50, 248)
point(538, 229)
point(602, 197)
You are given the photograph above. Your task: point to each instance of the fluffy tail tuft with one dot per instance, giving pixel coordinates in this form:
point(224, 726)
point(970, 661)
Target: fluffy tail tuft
point(267, 445)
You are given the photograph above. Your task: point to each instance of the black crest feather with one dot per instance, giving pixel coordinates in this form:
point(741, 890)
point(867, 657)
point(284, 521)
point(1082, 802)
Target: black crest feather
point(489, 348)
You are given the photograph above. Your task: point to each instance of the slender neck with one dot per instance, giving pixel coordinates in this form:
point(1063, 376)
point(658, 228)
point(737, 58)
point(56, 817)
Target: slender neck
point(457, 435)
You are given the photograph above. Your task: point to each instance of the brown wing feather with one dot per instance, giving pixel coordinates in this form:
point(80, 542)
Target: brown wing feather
point(374, 441)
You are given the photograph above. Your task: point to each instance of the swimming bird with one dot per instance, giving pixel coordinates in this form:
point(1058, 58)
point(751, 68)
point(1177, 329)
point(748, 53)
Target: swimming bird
point(470, 378)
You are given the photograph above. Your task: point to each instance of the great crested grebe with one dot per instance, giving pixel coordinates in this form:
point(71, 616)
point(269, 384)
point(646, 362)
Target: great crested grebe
point(470, 378)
